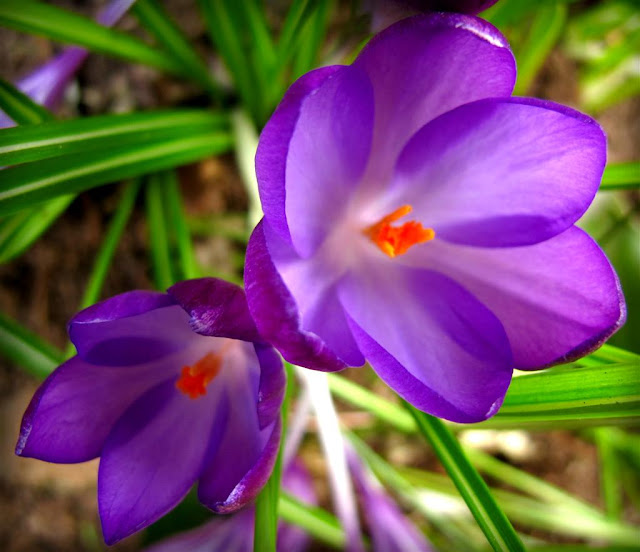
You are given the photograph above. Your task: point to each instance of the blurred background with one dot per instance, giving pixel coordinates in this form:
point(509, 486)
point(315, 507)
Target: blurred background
point(585, 54)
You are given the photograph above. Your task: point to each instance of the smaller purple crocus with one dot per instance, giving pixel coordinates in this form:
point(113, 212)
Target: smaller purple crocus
point(47, 84)
point(390, 529)
point(235, 533)
point(167, 389)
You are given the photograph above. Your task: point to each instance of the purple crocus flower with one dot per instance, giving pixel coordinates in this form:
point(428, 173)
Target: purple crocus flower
point(235, 533)
point(418, 216)
point(390, 529)
point(47, 84)
point(167, 389)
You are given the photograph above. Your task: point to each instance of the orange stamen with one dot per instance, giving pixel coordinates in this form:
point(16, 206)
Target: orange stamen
point(396, 240)
point(194, 379)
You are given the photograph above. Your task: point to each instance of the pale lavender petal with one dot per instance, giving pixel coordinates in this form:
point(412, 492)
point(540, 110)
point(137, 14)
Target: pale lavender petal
point(131, 328)
point(153, 456)
point(391, 530)
point(423, 67)
point(430, 340)
point(328, 154)
point(271, 156)
point(501, 172)
point(217, 308)
point(76, 407)
point(557, 300)
point(242, 463)
point(276, 313)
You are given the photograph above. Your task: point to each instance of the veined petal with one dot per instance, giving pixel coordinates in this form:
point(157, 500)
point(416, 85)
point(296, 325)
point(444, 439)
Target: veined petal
point(273, 148)
point(277, 315)
point(430, 340)
point(424, 66)
point(153, 456)
point(501, 172)
point(131, 328)
point(217, 308)
point(272, 384)
point(328, 153)
point(557, 300)
point(76, 407)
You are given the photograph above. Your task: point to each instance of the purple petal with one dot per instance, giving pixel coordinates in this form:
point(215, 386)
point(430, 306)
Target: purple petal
point(153, 456)
point(425, 66)
point(297, 481)
point(222, 534)
point(271, 156)
point(217, 308)
point(501, 172)
point(272, 384)
point(328, 154)
point(276, 313)
point(391, 530)
point(430, 340)
point(131, 328)
point(74, 410)
point(557, 300)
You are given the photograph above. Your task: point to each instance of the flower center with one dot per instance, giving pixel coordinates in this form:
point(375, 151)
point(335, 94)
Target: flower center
point(396, 240)
point(194, 379)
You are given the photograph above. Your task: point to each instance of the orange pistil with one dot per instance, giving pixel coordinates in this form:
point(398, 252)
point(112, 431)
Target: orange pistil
point(194, 379)
point(396, 240)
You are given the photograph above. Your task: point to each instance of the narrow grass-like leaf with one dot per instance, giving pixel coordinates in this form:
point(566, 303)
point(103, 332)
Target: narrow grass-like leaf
point(491, 519)
point(37, 142)
point(26, 349)
point(313, 33)
point(621, 176)
point(562, 519)
point(109, 244)
point(163, 274)
point(26, 184)
point(610, 489)
point(317, 522)
point(546, 28)
point(227, 38)
point(20, 107)
point(43, 19)
point(155, 19)
point(20, 230)
point(188, 265)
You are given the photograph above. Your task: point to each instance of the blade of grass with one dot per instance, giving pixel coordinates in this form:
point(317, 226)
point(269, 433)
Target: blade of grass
point(29, 225)
point(55, 23)
point(20, 107)
point(26, 349)
point(316, 521)
point(227, 38)
point(157, 231)
point(53, 139)
point(313, 33)
point(27, 184)
point(548, 24)
point(491, 519)
point(609, 474)
point(621, 176)
point(156, 20)
point(188, 265)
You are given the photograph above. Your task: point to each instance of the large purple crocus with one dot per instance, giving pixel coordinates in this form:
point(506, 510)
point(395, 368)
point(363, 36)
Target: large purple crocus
point(418, 216)
point(167, 389)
